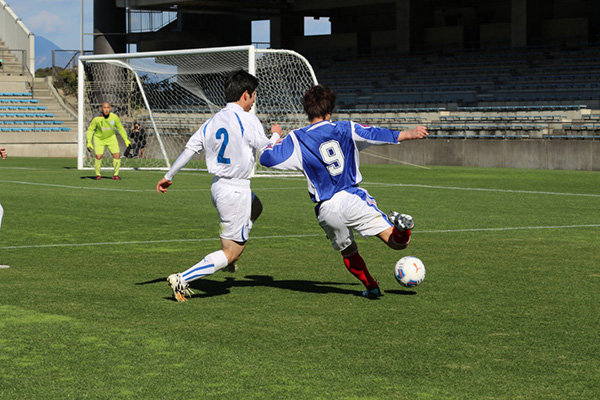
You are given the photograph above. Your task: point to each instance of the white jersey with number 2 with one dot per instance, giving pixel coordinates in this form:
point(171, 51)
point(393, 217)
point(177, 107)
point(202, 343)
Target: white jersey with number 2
point(229, 139)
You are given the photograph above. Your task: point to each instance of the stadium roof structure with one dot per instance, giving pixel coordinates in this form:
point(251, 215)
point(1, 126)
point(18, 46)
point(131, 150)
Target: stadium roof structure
point(357, 26)
point(238, 7)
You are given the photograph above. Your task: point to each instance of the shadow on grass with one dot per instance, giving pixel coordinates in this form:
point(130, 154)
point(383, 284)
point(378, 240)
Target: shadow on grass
point(211, 288)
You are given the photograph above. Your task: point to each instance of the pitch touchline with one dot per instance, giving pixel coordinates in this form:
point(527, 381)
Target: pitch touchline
point(75, 187)
point(508, 229)
point(129, 190)
point(288, 236)
point(482, 189)
point(304, 187)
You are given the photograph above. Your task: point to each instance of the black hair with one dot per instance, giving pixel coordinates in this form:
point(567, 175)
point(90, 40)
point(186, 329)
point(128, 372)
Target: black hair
point(318, 101)
point(237, 83)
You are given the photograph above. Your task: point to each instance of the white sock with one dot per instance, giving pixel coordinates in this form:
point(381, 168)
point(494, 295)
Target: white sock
point(208, 266)
point(1, 214)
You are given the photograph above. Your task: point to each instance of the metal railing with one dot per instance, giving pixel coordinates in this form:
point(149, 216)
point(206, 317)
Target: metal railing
point(66, 60)
point(21, 69)
point(142, 21)
point(15, 35)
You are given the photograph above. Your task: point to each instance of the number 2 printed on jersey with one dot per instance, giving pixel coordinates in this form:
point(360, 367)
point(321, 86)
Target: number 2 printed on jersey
point(221, 156)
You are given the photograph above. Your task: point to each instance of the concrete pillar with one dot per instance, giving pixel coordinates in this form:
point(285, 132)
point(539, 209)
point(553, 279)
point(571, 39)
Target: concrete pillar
point(110, 38)
point(403, 25)
point(275, 32)
point(109, 28)
point(518, 20)
point(284, 29)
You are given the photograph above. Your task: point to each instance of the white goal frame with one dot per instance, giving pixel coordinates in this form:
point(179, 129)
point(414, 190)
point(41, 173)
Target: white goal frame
point(295, 118)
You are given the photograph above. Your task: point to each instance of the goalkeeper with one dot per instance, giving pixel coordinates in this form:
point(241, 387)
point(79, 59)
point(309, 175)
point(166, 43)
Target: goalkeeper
point(101, 134)
point(229, 140)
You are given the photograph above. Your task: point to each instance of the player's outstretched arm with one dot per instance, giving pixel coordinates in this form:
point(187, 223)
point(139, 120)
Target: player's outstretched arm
point(3, 153)
point(162, 185)
point(416, 133)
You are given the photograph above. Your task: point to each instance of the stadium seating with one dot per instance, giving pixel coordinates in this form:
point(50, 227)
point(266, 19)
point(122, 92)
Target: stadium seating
point(22, 120)
point(508, 93)
point(544, 76)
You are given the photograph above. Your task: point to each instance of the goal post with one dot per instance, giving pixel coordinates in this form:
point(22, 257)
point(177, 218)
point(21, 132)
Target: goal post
point(171, 93)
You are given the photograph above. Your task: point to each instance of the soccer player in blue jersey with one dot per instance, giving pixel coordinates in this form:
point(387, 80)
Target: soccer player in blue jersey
point(229, 140)
point(327, 152)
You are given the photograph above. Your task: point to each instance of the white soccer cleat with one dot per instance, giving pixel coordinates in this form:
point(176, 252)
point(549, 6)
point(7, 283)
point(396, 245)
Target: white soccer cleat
point(179, 287)
point(402, 222)
point(2, 266)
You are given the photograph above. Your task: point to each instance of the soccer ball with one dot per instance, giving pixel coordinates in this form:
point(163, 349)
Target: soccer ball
point(409, 271)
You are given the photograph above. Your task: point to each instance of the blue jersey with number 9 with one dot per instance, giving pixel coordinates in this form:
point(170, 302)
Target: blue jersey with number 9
point(328, 154)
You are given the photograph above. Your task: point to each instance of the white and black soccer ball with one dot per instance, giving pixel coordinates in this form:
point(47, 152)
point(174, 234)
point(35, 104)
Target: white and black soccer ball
point(409, 271)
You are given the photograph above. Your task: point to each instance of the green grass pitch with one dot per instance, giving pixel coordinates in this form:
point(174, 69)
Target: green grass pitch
point(510, 307)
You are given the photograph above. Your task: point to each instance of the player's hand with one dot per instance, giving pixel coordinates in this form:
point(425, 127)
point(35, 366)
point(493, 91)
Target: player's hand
point(162, 185)
point(3, 153)
point(276, 128)
point(127, 142)
point(90, 146)
point(416, 133)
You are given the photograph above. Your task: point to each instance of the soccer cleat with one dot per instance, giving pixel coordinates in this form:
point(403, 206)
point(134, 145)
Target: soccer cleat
point(231, 268)
point(116, 178)
point(2, 266)
point(179, 287)
point(372, 294)
point(402, 222)
point(98, 177)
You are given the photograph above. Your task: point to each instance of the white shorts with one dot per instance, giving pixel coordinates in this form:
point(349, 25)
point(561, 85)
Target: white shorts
point(351, 209)
point(233, 200)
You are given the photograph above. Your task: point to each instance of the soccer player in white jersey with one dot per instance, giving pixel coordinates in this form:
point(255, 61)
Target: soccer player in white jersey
point(229, 140)
point(327, 153)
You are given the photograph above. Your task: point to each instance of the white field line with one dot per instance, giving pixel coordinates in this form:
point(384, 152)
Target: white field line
point(289, 236)
point(304, 188)
point(394, 160)
point(125, 190)
point(481, 189)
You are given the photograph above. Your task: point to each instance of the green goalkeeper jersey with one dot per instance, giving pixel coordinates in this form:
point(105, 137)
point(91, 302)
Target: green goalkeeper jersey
point(104, 128)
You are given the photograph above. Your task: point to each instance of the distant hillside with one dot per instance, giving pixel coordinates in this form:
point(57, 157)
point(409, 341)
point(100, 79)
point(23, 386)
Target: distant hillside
point(43, 52)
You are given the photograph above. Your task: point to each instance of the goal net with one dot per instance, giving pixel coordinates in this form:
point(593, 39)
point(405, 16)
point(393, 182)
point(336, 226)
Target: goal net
point(171, 93)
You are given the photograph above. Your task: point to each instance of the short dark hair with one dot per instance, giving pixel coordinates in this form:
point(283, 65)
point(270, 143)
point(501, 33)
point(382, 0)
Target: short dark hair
point(237, 83)
point(318, 101)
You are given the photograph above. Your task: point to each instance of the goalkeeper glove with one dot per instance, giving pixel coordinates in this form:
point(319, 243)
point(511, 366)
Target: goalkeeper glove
point(127, 142)
point(89, 146)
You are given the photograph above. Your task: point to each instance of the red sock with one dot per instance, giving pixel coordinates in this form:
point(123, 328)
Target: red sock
point(357, 267)
point(401, 237)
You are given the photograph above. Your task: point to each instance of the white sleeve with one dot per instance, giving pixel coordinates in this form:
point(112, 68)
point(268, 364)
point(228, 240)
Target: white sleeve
point(193, 146)
point(258, 139)
point(181, 162)
point(196, 142)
